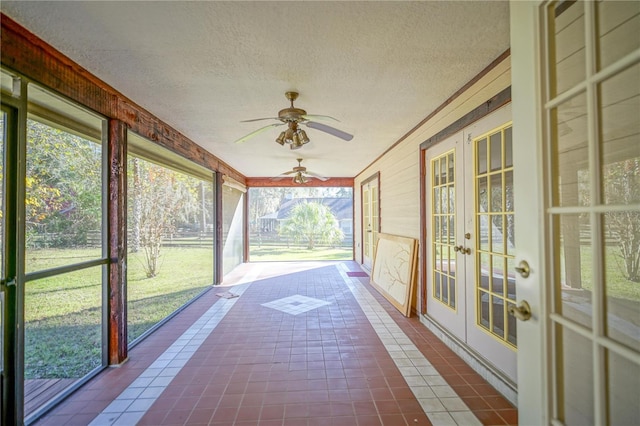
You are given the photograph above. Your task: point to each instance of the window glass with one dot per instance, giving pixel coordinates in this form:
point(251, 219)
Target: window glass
point(301, 223)
point(63, 311)
point(170, 242)
point(232, 227)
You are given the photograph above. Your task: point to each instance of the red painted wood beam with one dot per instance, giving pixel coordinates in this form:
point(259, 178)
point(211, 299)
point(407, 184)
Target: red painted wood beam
point(29, 55)
point(261, 182)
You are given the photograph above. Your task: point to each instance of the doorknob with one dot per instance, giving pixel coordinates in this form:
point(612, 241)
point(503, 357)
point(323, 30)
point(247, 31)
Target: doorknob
point(523, 269)
point(462, 249)
point(521, 312)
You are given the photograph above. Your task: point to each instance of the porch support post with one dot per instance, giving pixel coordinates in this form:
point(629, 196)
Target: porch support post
point(245, 225)
point(217, 276)
point(117, 242)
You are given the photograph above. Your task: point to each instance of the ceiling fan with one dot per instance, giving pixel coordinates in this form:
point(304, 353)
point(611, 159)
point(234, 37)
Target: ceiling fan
point(301, 174)
point(293, 117)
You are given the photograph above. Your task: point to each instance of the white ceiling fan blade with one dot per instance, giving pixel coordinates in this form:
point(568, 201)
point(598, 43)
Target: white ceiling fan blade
point(283, 175)
point(331, 130)
point(255, 132)
point(259, 119)
point(317, 176)
point(319, 117)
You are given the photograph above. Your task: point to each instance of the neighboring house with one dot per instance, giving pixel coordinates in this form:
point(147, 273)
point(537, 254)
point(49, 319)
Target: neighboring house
point(342, 209)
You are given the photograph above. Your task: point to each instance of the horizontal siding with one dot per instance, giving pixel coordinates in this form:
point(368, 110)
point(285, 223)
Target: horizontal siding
point(400, 167)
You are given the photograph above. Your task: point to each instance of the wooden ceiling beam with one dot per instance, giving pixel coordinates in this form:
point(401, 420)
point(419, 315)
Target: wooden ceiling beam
point(30, 56)
point(258, 182)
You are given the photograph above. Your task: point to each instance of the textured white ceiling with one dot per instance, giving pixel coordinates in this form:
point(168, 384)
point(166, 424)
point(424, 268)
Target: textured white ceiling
point(203, 66)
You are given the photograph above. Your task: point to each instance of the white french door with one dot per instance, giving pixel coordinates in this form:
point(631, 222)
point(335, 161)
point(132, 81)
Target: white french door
point(370, 220)
point(470, 253)
point(576, 85)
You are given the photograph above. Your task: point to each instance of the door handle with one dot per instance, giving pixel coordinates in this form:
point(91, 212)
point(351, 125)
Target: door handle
point(462, 249)
point(523, 269)
point(522, 311)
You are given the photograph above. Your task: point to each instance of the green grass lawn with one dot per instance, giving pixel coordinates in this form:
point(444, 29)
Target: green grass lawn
point(617, 284)
point(283, 253)
point(63, 331)
point(63, 313)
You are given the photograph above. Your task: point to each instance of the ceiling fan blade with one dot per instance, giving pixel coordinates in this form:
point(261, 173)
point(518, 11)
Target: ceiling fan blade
point(259, 119)
point(283, 175)
point(331, 130)
point(317, 176)
point(255, 132)
point(319, 117)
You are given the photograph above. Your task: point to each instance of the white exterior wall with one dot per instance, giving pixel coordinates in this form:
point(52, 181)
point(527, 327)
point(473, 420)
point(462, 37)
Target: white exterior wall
point(400, 167)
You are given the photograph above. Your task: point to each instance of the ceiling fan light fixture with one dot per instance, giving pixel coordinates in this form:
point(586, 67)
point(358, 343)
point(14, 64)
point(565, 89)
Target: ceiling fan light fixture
point(303, 136)
point(280, 139)
point(300, 179)
point(288, 135)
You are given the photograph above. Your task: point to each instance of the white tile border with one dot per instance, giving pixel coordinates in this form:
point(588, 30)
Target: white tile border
point(296, 304)
point(129, 407)
point(438, 400)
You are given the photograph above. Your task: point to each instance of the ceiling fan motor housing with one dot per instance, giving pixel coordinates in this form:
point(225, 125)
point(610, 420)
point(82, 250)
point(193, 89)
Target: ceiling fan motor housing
point(289, 115)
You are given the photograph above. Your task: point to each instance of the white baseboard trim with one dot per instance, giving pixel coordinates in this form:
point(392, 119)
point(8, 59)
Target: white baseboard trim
point(495, 378)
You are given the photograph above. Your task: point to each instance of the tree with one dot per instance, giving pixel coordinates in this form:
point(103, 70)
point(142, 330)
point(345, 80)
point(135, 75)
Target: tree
point(163, 199)
point(64, 186)
point(622, 186)
point(313, 223)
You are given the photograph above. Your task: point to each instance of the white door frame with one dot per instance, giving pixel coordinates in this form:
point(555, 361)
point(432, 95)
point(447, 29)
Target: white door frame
point(370, 231)
point(530, 226)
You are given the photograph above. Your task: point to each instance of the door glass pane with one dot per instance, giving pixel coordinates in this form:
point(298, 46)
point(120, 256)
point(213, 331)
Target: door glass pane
point(485, 317)
point(494, 250)
point(622, 276)
point(576, 378)
point(366, 222)
point(618, 29)
point(497, 314)
point(511, 327)
point(620, 112)
point(567, 45)
point(508, 147)
point(63, 331)
point(496, 193)
point(595, 236)
point(624, 383)
point(496, 151)
point(571, 152)
point(375, 214)
point(575, 257)
point(481, 156)
point(443, 209)
point(620, 109)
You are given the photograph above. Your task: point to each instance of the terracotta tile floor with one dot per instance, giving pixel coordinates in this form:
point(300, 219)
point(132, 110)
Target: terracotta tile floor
point(314, 359)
